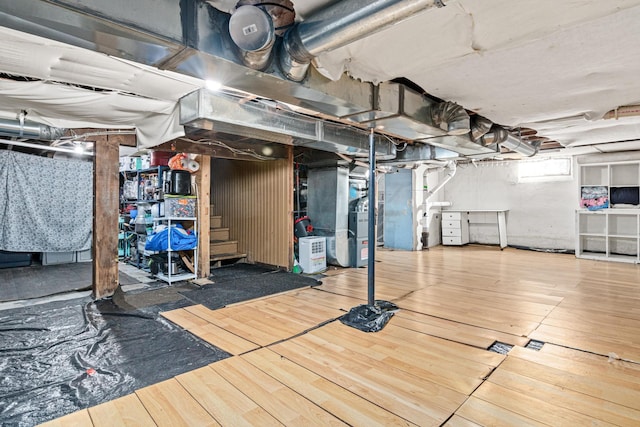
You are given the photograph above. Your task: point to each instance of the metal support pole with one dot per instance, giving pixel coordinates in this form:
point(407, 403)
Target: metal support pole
point(371, 238)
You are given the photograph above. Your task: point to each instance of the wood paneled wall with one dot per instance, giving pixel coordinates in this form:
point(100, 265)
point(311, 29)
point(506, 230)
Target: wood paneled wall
point(255, 200)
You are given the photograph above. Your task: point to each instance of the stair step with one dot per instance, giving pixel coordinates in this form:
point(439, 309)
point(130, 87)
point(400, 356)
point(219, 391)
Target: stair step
point(223, 257)
point(223, 247)
point(216, 221)
point(221, 233)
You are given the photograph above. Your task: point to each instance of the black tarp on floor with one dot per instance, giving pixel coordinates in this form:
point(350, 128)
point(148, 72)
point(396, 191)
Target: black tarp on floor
point(242, 282)
point(60, 357)
point(38, 281)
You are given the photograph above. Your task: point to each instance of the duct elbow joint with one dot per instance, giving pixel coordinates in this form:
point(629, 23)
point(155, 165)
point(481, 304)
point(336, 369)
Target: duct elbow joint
point(293, 59)
point(452, 118)
point(253, 33)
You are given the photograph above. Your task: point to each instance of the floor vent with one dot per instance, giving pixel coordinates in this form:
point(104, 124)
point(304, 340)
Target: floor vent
point(534, 345)
point(500, 347)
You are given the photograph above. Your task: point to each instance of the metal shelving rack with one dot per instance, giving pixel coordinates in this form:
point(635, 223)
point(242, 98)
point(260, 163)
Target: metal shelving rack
point(171, 278)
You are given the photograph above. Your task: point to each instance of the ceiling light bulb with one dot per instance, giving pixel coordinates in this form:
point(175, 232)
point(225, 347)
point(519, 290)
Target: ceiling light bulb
point(213, 85)
point(78, 149)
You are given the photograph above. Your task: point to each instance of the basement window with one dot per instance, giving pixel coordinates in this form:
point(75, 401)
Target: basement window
point(555, 169)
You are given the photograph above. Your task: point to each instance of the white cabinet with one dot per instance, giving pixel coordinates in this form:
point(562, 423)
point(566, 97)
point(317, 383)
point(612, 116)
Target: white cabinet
point(610, 233)
point(455, 228)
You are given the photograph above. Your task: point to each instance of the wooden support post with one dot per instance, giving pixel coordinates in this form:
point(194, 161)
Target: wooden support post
point(105, 217)
point(290, 185)
point(203, 181)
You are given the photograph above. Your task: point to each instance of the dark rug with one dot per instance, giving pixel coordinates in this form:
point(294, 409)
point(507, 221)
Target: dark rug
point(38, 281)
point(241, 282)
point(60, 357)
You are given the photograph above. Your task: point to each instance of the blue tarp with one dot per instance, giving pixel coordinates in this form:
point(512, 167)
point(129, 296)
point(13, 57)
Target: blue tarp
point(181, 240)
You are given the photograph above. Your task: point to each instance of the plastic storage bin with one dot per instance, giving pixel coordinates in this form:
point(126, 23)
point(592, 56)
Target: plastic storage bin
point(180, 207)
point(14, 259)
point(51, 258)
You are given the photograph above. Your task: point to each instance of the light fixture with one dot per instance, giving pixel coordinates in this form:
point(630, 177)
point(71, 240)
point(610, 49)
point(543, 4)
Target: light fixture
point(213, 85)
point(78, 147)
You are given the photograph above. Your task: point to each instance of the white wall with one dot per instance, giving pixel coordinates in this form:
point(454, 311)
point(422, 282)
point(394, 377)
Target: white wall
point(541, 214)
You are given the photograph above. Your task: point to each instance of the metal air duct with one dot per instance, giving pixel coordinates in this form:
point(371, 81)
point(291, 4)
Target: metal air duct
point(516, 144)
point(267, 121)
point(451, 118)
point(253, 28)
point(494, 136)
point(30, 130)
point(480, 127)
point(507, 140)
point(340, 24)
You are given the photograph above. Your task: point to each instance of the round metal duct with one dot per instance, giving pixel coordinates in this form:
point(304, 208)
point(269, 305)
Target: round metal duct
point(251, 28)
point(281, 11)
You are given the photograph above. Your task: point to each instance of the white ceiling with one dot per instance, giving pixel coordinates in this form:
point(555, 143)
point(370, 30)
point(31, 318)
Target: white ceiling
point(554, 66)
point(524, 63)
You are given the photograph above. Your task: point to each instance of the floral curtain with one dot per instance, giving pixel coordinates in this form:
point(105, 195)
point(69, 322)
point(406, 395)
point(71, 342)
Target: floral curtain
point(46, 204)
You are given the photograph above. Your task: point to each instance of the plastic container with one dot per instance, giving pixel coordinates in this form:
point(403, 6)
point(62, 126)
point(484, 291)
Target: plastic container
point(302, 227)
point(160, 158)
point(180, 207)
point(14, 259)
point(51, 258)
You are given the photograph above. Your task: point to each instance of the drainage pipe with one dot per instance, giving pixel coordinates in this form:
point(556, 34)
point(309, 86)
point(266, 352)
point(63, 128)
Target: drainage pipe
point(340, 24)
point(452, 171)
point(451, 165)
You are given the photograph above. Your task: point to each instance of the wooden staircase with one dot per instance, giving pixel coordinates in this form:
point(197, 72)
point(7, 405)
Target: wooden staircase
point(220, 246)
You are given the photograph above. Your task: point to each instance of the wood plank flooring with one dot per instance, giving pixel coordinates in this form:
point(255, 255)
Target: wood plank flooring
point(294, 364)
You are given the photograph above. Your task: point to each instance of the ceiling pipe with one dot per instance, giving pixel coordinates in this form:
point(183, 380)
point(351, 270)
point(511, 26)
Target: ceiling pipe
point(340, 24)
point(451, 118)
point(45, 147)
point(29, 130)
point(625, 111)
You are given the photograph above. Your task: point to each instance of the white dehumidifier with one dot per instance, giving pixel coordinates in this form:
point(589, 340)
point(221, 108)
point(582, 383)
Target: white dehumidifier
point(313, 254)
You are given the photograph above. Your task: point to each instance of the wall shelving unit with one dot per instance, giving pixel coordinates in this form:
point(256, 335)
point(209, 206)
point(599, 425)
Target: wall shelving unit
point(612, 233)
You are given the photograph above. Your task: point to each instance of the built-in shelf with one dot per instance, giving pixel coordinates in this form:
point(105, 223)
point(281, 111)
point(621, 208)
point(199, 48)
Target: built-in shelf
point(611, 233)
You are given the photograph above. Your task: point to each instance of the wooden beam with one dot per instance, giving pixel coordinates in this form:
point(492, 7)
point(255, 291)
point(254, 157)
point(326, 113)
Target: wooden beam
point(125, 140)
point(105, 217)
point(278, 151)
point(290, 185)
point(203, 181)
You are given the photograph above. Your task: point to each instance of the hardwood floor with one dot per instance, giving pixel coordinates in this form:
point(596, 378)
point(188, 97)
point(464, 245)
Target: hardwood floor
point(295, 365)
